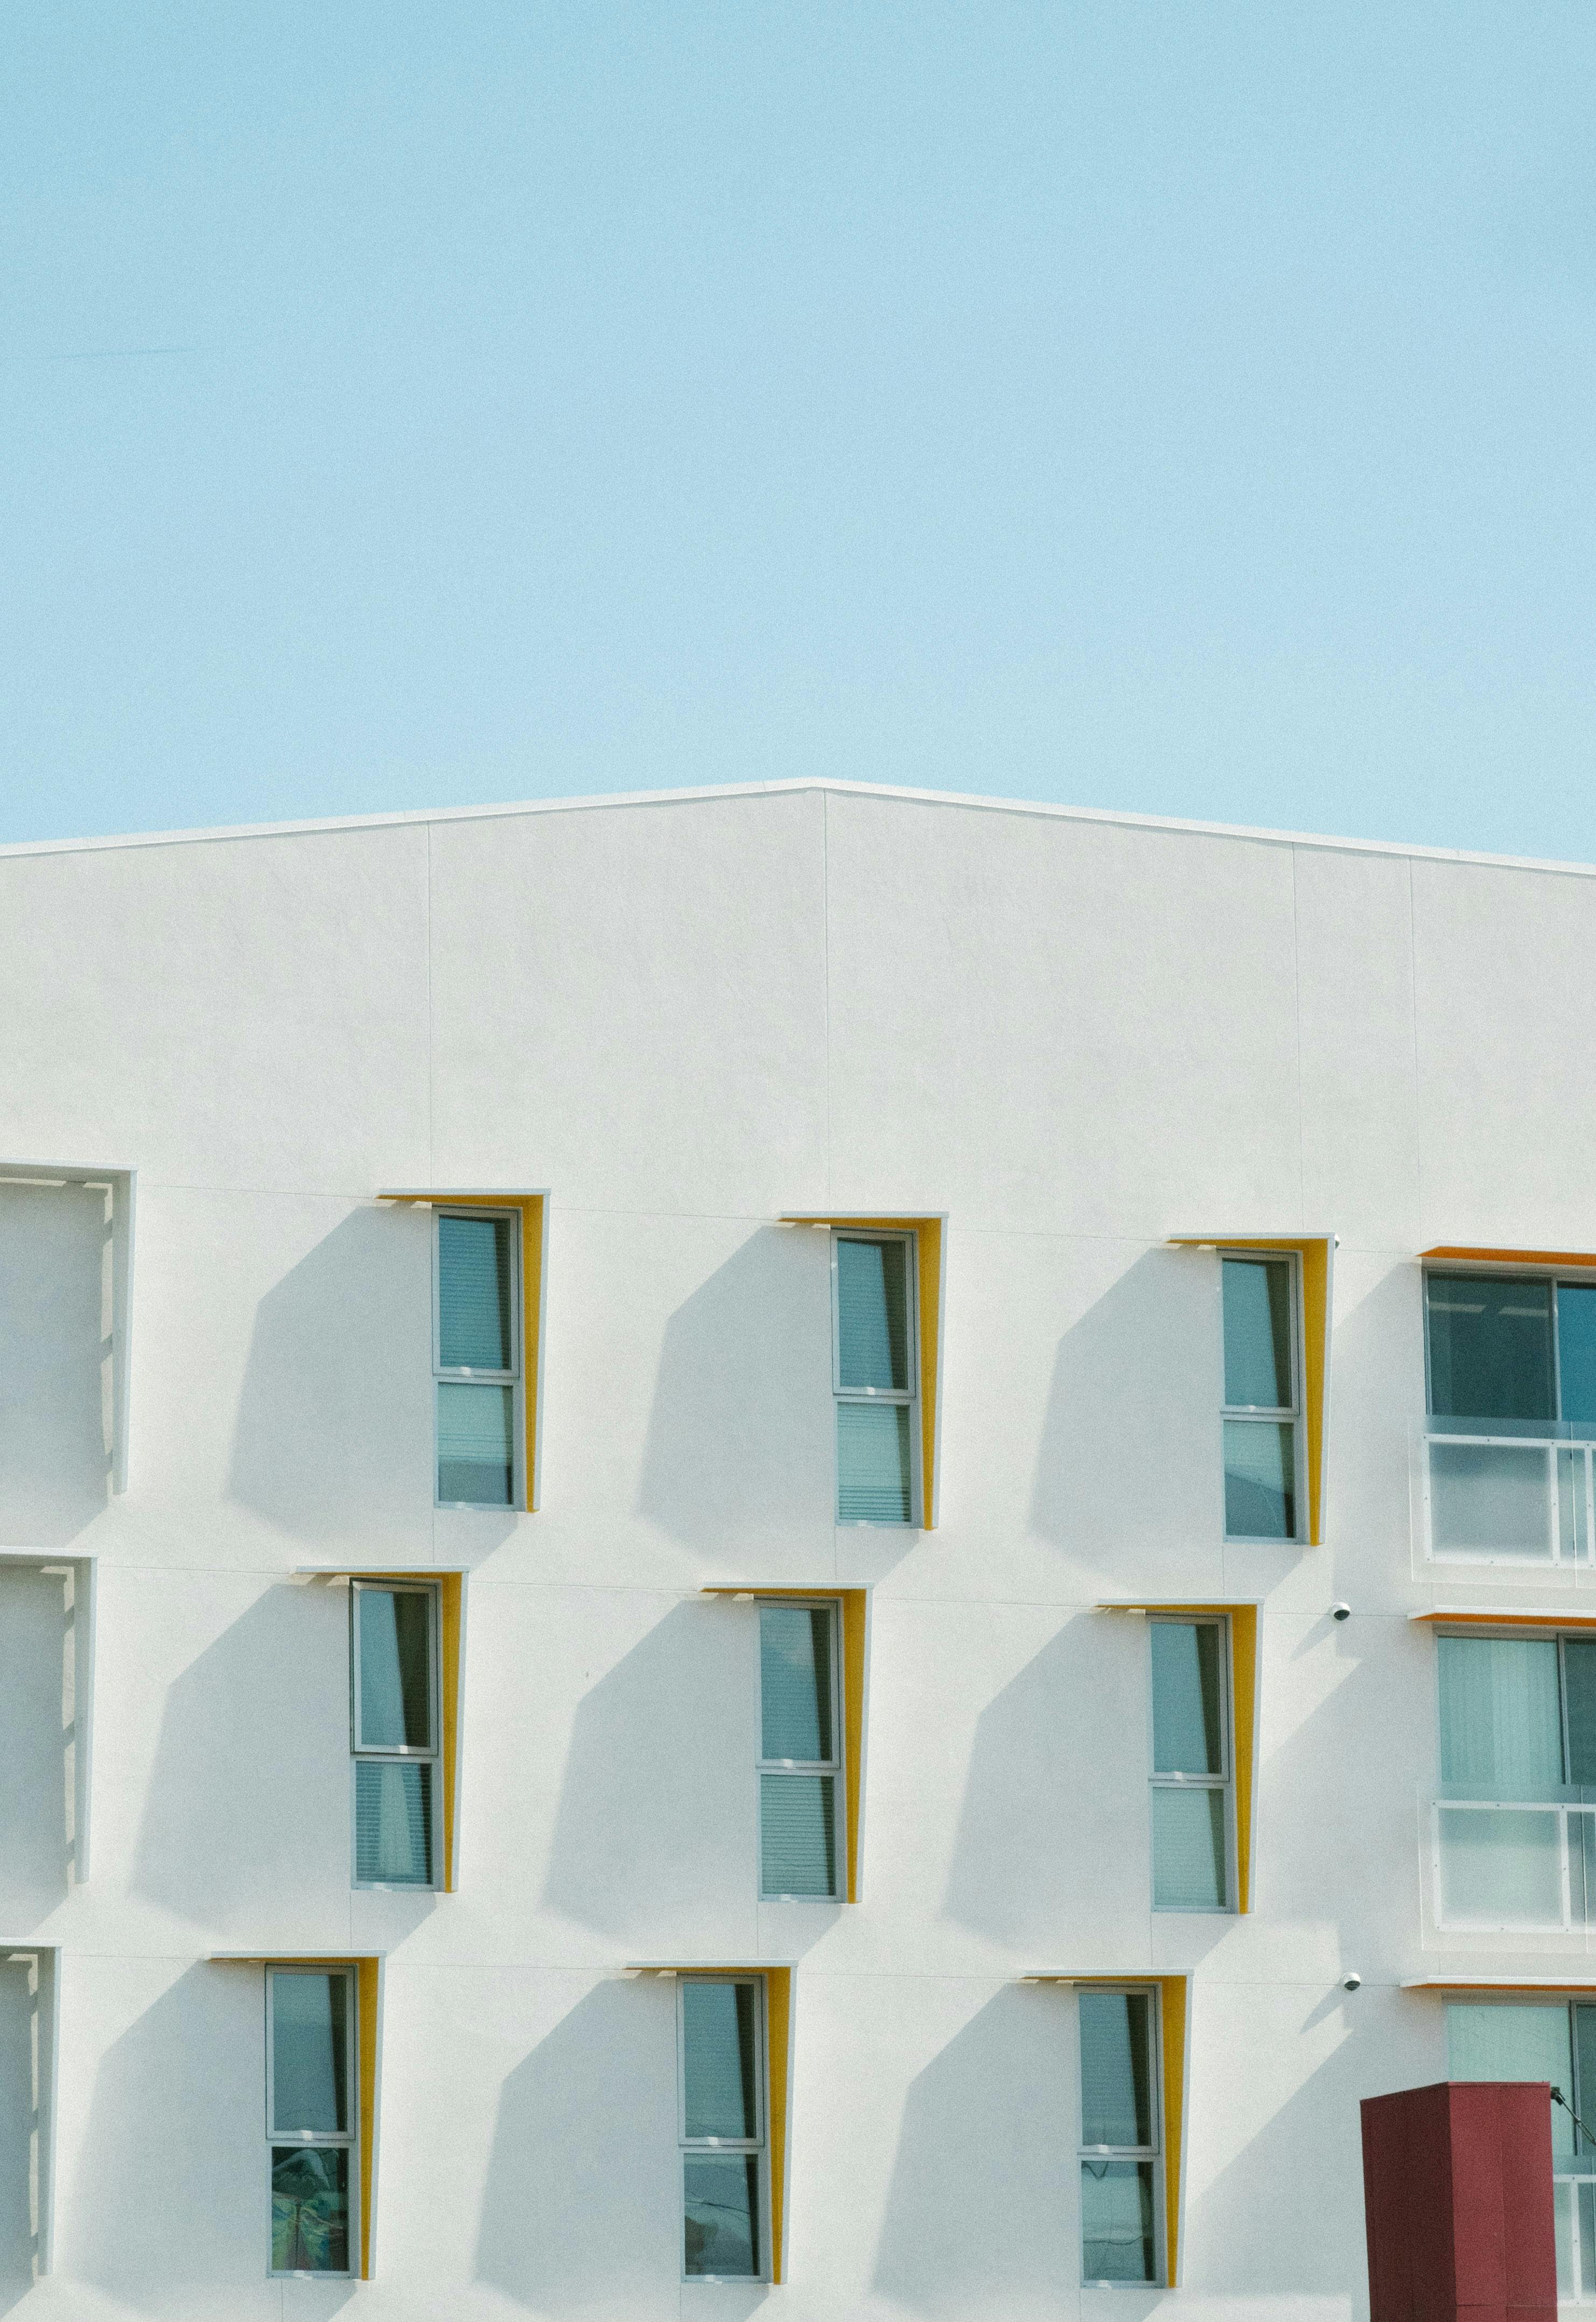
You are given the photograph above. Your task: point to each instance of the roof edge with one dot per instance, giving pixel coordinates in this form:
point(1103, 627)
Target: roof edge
point(598, 801)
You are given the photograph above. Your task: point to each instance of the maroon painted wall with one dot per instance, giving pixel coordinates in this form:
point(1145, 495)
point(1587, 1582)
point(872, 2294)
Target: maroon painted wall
point(1457, 2203)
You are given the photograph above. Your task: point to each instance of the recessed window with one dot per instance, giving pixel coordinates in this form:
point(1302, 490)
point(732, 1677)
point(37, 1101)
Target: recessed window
point(1262, 1405)
point(876, 1363)
point(311, 2110)
point(1514, 2040)
point(1516, 1819)
point(478, 1360)
point(1192, 1811)
point(800, 1752)
point(393, 1703)
point(721, 2048)
point(1119, 2137)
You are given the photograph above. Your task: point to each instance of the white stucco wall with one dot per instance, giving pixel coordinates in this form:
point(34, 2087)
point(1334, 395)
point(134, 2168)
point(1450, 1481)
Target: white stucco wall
point(1076, 1035)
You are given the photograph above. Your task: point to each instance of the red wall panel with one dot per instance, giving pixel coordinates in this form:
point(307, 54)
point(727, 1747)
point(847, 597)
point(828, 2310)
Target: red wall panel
point(1457, 2203)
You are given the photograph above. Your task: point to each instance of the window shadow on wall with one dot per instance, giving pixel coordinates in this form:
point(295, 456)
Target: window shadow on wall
point(579, 2205)
point(980, 2211)
point(657, 1798)
point(736, 1454)
point(170, 2187)
point(247, 1811)
point(334, 1438)
point(55, 1325)
point(1116, 1471)
point(36, 1744)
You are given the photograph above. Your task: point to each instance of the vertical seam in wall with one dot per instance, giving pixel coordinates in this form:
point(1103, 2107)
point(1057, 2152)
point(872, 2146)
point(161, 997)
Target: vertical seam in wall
point(432, 1157)
point(826, 955)
point(1297, 1030)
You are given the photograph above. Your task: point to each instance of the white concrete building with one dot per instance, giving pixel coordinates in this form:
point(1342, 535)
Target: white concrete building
point(744, 1277)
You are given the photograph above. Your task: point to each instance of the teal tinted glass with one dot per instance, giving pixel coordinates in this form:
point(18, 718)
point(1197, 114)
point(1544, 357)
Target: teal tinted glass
point(1579, 1690)
point(720, 2215)
point(1118, 2241)
point(873, 1314)
point(798, 1835)
point(1490, 1348)
point(1116, 2068)
point(1190, 1850)
point(310, 2208)
point(393, 1628)
point(309, 2053)
point(474, 1317)
point(393, 1821)
point(720, 2059)
point(795, 1683)
point(1577, 1350)
point(476, 1444)
point(875, 1483)
point(1188, 1733)
point(1501, 1724)
point(1257, 1294)
point(1261, 1479)
point(1583, 2096)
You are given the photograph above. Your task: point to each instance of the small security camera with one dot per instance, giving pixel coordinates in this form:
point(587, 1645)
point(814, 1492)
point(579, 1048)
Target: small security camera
point(1351, 1982)
point(1341, 1611)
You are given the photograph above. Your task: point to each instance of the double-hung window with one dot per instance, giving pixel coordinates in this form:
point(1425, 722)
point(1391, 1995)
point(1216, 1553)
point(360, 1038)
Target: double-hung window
point(1119, 2137)
point(1193, 1810)
point(721, 2096)
point(875, 1375)
point(477, 1358)
point(1513, 1417)
point(1515, 2040)
point(311, 2111)
point(1262, 1415)
point(393, 1714)
point(1516, 1819)
point(800, 1750)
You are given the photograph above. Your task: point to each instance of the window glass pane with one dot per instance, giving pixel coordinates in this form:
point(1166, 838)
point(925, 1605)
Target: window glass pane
point(795, 1665)
point(873, 1476)
point(1491, 1348)
point(1514, 2043)
point(1187, 1738)
point(798, 1833)
point(1579, 1680)
point(309, 2053)
point(1116, 2068)
point(720, 2031)
point(475, 1461)
point(310, 2208)
point(393, 1823)
point(1260, 1479)
point(720, 2214)
point(1118, 2242)
point(1576, 1351)
point(1258, 1333)
point(394, 1628)
point(1501, 1729)
point(1584, 2090)
point(1188, 1850)
point(1500, 1867)
point(873, 1314)
point(474, 1330)
point(1490, 1500)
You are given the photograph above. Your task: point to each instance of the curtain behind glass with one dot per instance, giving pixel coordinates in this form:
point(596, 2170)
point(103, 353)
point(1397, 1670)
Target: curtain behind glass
point(720, 2035)
point(1501, 1728)
point(873, 1314)
point(394, 1629)
point(309, 2053)
point(1116, 2068)
point(474, 1320)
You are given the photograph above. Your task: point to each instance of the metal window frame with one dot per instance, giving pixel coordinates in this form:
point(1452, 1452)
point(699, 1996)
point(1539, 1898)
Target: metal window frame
point(903, 1398)
point(835, 1765)
point(760, 2146)
point(1224, 1782)
point(399, 1753)
point(346, 2141)
point(1232, 1415)
point(515, 1379)
point(1151, 1996)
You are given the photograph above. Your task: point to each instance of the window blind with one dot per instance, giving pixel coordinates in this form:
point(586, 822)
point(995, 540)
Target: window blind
point(393, 1821)
point(798, 1835)
point(475, 1330)
point(874, 1483)
point(1502, 1727)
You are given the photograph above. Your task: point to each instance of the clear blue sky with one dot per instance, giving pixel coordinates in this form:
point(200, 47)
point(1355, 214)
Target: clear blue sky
point(1178, 407)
